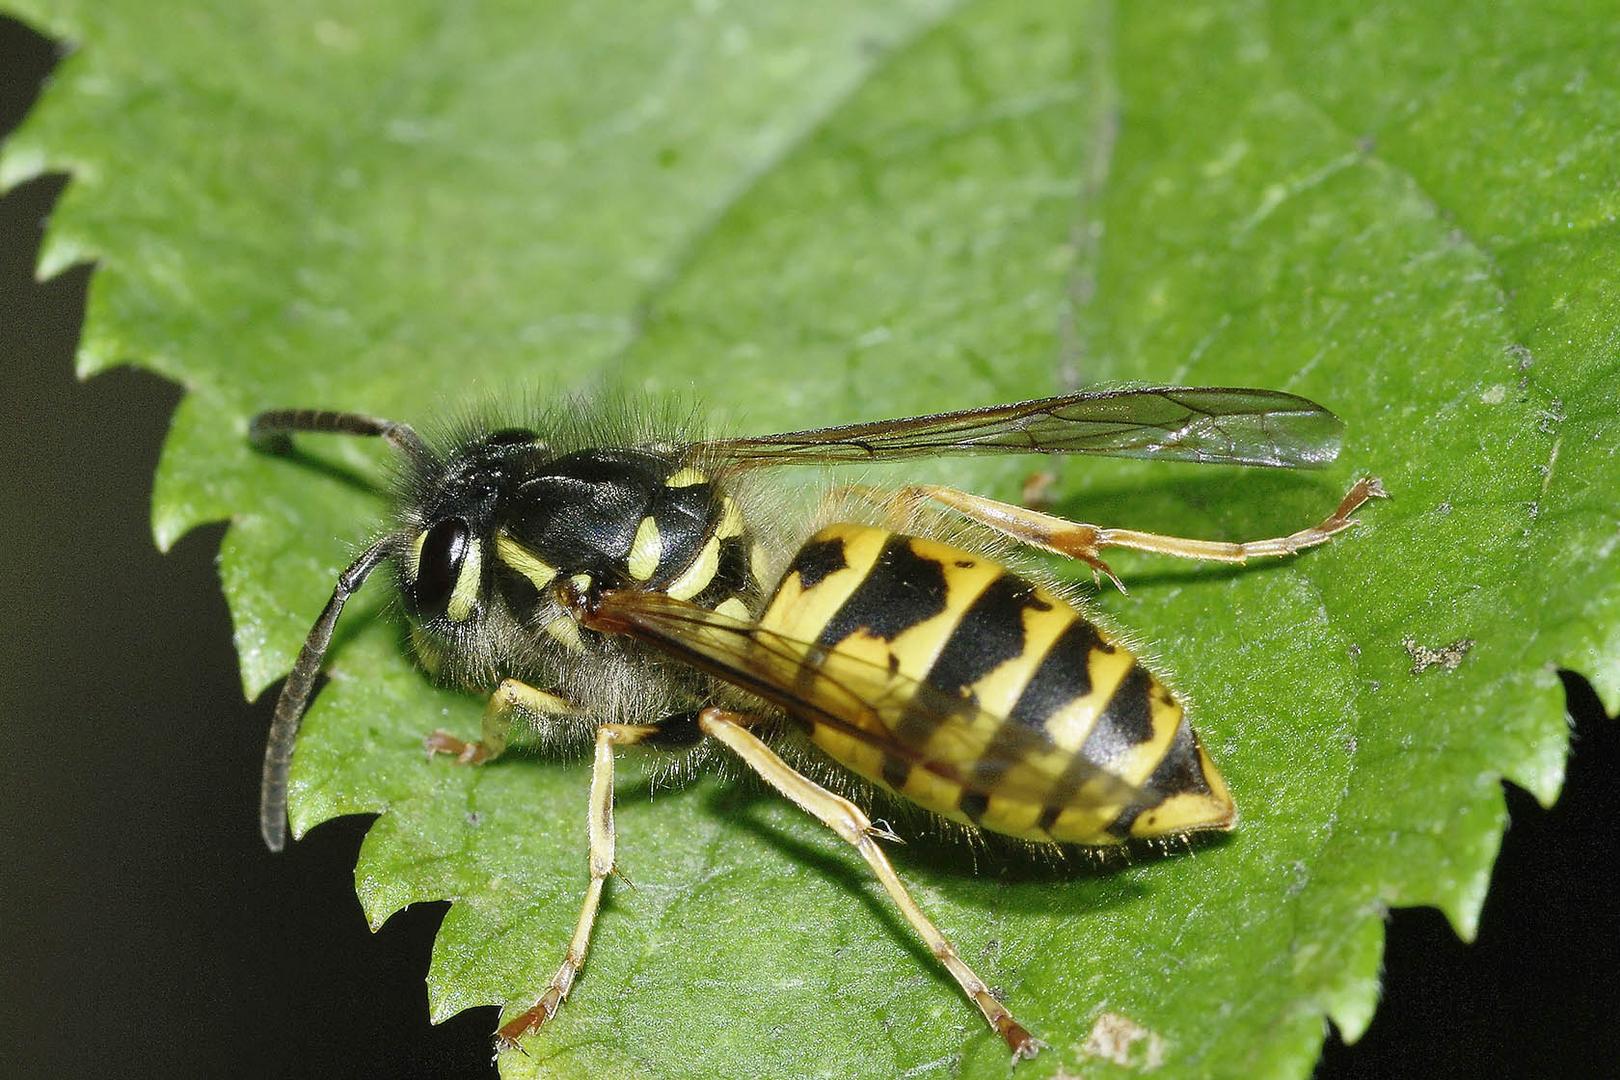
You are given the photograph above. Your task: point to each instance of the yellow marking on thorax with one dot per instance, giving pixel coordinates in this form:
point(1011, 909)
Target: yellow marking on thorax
point(539, 572)
point(696, 577)
point(645, 550)
point(733, 608)
point(464, 597)
point(759, 562)
point(564, 630)
point(731, 520)
point(686, 477)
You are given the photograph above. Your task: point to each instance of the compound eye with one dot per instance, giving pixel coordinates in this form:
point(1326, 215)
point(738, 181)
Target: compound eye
point(446, 580)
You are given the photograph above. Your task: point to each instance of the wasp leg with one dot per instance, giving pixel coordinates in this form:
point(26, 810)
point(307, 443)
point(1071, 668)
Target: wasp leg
point(608, 736)
point(511, 697)
point(851, 823)
point(1077, 540)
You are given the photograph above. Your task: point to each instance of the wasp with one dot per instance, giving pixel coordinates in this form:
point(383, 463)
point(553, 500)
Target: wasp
point(622, 585)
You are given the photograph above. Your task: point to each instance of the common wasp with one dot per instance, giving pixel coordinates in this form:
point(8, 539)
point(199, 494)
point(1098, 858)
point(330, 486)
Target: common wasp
point(622, 584)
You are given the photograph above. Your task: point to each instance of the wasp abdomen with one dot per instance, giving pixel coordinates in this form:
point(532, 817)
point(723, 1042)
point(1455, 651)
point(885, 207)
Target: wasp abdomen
point(1024, 718)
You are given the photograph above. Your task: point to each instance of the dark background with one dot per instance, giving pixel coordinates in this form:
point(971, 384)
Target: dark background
point(146, 931)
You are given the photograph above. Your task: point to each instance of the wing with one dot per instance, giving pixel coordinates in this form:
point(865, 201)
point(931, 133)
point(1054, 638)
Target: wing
point(862, 700)
point(1219, 425)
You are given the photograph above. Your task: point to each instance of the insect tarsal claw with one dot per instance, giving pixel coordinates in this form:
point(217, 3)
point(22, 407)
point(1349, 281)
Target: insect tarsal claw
point(881, 830)
point(1027, 1049)
point(1100, 567)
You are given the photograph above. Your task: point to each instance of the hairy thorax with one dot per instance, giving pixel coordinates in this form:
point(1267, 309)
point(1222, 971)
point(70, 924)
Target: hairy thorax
point(600, 518)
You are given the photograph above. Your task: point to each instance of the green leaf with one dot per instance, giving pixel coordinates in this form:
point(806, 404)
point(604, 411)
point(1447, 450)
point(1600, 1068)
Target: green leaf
point(815, 213)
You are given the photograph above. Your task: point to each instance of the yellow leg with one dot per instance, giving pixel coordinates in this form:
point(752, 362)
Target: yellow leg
point(511, 699)
point(608, 736)
point(849, 822)
point(1077, 540)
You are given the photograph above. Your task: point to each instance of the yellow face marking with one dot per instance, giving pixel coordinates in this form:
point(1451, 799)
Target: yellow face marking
point(416, 555)
point(428, 651)
point(464, 598)
point(565, 630)
point(696, 577)
point(732, 608)
point(519, 558)
point(731, 522)
point(685, 478)
point(645, 550)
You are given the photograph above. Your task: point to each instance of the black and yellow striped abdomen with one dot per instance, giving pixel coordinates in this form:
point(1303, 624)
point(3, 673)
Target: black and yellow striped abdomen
point(1060, 733)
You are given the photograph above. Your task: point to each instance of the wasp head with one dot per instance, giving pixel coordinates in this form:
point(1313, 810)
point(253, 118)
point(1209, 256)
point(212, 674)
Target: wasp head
point(453, 509)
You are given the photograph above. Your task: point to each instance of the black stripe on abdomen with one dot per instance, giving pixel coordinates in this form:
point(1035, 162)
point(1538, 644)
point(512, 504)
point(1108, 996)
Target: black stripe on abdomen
point(901, 590)
point(989, 633)
point(1064, 674)
point(1126, 721)
point(815, 561)
point(1179, 772)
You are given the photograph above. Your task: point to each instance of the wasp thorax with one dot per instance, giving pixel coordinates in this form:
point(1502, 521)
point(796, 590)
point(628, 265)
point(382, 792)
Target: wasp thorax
point(445, 577)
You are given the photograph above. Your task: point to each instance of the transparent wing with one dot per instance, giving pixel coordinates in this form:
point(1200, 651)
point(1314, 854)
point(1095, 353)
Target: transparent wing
point(863, 700)
point(1220, 425)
